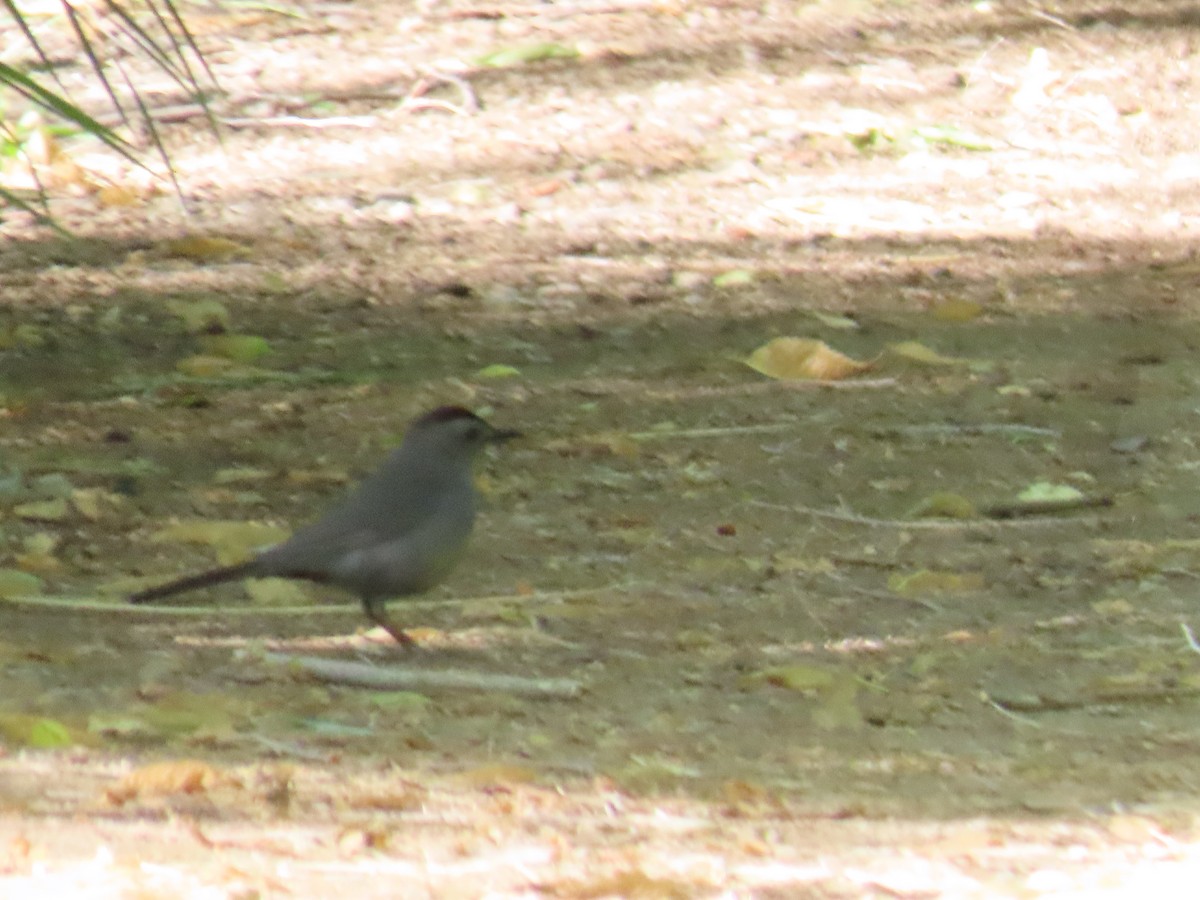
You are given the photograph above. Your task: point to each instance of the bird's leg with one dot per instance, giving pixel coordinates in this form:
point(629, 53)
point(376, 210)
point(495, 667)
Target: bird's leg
point(378, 614)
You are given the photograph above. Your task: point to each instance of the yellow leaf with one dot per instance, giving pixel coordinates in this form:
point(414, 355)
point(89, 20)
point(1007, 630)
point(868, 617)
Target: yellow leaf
point(43, 510)
point(634, 883)
point(927, 581)
point(204, 366)
point(38, 563)
point(694, 639)
point(803, 358)
point(205, 249)
point(829, 320)
point(233, 540)
point(944, 504)
point(34, 731)
point(241, 475)
point(913, 351)
point(1118, 607)
point(957, 310)
point(800, 678)
point(497, 774)
point(1047, 492)
point(734, 278)
point(185, 776)
point(16, 584)
point(93, 503)
point(49, 734)
point(513, 56)
point(40, 147)
point(201, 316)
point(498, 370)
point(117, 195)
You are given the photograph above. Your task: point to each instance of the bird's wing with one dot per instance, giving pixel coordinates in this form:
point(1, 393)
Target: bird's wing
point(313, 552)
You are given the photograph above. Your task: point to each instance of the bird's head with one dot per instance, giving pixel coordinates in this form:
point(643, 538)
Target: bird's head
point(452, 429)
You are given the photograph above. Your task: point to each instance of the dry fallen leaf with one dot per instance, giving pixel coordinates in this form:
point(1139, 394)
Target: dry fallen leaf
point(205, 249)
point(803, 358)
point(117, 195)
point(181, 776)
point(927, 581)
point(43, 510)
point(200, 316)
point(916, 352)
point(496, 775)
point(17, 584)
point(800, 677)
point(944, 504)
point(635, 884)
point(957, 310)
point(201, 366)
point(232, 541)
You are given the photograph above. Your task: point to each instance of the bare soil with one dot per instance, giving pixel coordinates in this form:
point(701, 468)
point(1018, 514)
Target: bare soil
point(795, 683)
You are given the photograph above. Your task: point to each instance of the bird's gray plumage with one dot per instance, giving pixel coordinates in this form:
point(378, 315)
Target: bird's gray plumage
point(398, 533)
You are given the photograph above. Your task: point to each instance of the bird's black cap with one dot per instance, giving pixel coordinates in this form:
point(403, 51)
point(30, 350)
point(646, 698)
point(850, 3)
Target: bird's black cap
point(458, 413)
point(446, 414)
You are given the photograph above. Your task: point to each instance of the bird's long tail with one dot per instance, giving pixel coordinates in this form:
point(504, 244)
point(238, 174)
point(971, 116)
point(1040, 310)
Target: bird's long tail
point(192, 582)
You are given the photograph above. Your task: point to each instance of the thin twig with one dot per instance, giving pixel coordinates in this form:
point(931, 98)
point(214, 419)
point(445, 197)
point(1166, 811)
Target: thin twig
point(392, 678)
point(1008, 713)
point(414, 101)
point(1053, 20)
point(605, 387)
point(767, 428)
point(847, 585)
point(970, 428)
point(298, 122)
point(931, 524)
point(976, 66)
point(1189, 637)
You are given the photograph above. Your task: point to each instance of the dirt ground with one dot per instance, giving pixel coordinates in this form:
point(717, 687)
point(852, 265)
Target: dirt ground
point(820, 653)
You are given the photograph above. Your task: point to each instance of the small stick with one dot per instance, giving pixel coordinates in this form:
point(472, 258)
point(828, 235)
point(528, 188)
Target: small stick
point(392, 678)
point(1189, 637)
point(936, 524)
point(1044, 507)
point(299, 122)
point(1011, 428)
point(1005, 711)
point(415, 100)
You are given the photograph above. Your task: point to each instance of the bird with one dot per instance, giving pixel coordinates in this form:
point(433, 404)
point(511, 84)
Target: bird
point(398, 533)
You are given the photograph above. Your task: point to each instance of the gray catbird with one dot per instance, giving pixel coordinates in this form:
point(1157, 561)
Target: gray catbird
point(399, 532)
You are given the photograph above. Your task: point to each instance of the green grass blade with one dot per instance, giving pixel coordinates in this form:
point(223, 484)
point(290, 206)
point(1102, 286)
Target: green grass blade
point(9, 198)
point(181, 51)
point(155, 137)
point(187, 40)
point(93, 59)
point(150, 46)
point(17, 17)
point(64, 109)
